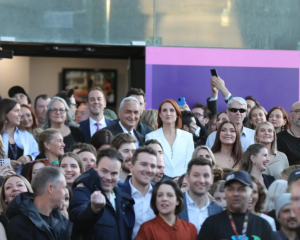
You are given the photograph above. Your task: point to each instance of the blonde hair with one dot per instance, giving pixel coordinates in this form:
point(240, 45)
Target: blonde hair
point(250, 125)
point(45, 136)
point(209, 151)
point(273, 149)
point(3, 204)
point(149, 117)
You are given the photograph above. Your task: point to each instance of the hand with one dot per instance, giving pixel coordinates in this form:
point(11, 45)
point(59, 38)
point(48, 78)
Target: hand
point(64, 212)
point(217, 82)
point(97, 201)
point(214, 89)
point(6, 171)
point(15, 164)
point(24, 159)
point(211, 198)
point(185, 107)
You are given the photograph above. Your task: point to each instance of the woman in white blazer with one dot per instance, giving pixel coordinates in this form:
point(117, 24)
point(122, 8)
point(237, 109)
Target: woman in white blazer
point(178, 145)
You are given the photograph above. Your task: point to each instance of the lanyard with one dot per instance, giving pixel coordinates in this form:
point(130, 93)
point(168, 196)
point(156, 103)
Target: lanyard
point(245, 225)
point(14, 151)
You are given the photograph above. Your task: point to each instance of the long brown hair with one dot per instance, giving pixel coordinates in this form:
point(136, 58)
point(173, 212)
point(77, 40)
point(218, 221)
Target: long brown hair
point(6, 105)
point(284, 114)
point(178, 123)
point(246, 163)
point(237, 151)
point(261, 196)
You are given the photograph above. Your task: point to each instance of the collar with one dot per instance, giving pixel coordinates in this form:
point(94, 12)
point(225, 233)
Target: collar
point(191, 202)
point(283, 236)
point(134, 190)
point(55, 162)
point(125, 130)
point(166, 226)
point(102, 121)
point(245, 131)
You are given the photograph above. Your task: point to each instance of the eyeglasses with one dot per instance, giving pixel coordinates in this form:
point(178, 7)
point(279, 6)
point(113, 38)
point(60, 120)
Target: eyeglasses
point(296, 111)
point(55, 110)
point(198, 115)
point(234, 110)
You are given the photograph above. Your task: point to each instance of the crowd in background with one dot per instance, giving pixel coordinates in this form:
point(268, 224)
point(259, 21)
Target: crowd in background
point(72, 170)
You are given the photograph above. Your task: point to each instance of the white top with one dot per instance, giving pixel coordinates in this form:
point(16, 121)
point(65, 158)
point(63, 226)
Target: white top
point(142, 210)
point(270, 220)
point(196, 216)
point(177, 156)
point(247, 138)
point(93, 127)
point(137, 144)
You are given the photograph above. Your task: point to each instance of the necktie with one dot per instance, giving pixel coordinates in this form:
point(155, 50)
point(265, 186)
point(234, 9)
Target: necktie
point(98, 126)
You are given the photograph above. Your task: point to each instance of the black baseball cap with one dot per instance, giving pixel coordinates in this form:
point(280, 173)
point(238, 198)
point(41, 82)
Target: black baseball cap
point(294, 176)
point(17, 89)
point(240, 176)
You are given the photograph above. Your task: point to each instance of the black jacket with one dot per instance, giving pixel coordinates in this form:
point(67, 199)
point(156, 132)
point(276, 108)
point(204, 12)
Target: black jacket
point(109, 224)
point(143, 129)
point(25, 222)
point(116, 129)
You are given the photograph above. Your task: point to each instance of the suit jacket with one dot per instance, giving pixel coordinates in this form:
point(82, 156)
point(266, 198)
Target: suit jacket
point(143, 129)
point(213, 208)
point(268, 180)
point(85, 128)
point(115, 129)
point(179, 155)
point(125, 187)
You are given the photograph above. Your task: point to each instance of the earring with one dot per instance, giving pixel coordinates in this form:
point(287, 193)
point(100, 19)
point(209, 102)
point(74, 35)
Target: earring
point(282, 128)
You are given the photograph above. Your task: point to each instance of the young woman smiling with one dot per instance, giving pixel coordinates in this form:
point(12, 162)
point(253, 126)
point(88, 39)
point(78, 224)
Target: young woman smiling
point(265, 134)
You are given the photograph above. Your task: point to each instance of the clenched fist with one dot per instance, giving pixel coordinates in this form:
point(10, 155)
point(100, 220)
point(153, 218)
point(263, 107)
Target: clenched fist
point(97, 201)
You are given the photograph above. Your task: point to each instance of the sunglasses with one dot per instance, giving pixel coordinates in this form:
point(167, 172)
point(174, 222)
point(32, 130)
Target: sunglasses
point(234, 110)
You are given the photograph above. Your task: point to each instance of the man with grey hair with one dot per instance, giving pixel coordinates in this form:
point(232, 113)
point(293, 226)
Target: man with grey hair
point(37, 215)
point(288, 140)
point(129, 114)
point(236, 111)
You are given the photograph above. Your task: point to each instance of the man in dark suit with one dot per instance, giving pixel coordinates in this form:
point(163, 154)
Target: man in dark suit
point(140, 96)
point(129, 114)
point(96, 103)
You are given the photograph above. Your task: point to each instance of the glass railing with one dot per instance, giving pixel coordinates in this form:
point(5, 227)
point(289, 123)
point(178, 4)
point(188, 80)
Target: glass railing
point(256, 24)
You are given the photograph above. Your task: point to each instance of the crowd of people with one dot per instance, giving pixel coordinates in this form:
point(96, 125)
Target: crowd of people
point(81, 171)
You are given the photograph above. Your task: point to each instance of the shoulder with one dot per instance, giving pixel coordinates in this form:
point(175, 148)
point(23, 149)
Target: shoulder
point(282, 134)
point(216, 217)
point(156, 133)
point(186, 224)
point(280, 155)
point(109, 122)
point(248, 131)
point(215, 207)
point(268, 177)
point(84, 123)
point(212, 135)
point(184, 134)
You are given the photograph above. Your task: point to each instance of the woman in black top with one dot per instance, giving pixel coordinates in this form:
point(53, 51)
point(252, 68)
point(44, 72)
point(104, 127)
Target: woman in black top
point(58, 116)
point(255, 161)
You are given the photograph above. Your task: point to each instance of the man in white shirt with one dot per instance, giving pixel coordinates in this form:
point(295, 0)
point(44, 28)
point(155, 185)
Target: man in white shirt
point(125, 144)
point(96, 103)
point(236, 111)
point(197, 206)
point(143, 169)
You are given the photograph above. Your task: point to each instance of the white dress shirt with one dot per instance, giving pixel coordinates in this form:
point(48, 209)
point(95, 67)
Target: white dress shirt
point(177, 156)
point(137, 144)
point(142, 210)
point(247, 138)
point(196, 216)
point(93, 127)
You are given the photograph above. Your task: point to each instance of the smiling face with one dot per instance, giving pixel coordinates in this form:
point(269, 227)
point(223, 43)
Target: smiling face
point(160, 161)
point(144, 169)
point(227, 134)
point(265, 134)
point(96, 103)
point(276, 118)
point(261, 160)
point(127, 150)
point(129, 115)
point(199, 179)
point(287, 218)
point(13, 117)
point(71, 168)
point(168, 114)
point(257, 116)
point(26, 119)
point(56, 145)
point(13, 187)
point(109, 172)
point(57, 112)
point(166, 200)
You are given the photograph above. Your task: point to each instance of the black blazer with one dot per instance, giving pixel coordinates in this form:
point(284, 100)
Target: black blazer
point(116, 129)
point(85, 128)
point(143, 129)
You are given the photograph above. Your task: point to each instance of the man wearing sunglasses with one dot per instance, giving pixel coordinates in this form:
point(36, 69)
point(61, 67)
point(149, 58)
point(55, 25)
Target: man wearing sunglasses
point(236, 111)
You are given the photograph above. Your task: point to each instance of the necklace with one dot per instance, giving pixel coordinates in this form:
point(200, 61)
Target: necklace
point(293, 133)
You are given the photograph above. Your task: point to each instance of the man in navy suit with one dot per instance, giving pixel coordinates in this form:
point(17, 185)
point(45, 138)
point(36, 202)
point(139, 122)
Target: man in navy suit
point(129, 114)
point(96, 103)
